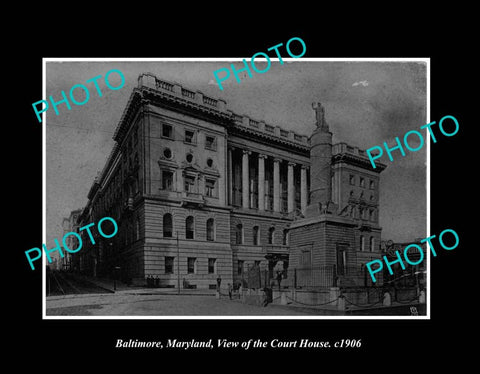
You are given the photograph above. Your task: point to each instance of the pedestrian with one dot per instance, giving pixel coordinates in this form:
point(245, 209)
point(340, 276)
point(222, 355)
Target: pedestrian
point(230, 291)
point(267, 296)
point(279, 279)
point(219, 282)
point(237, 288)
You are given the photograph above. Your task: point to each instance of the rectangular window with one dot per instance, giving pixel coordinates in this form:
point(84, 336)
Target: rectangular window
point(372, 185)
point(167, 180)
point(341, 258)
point(191, 265)
point(240, 267)
point(167, 131)
point(256, 232)
point(212, 265)
point(169, 265)
point(210, 187)
point(210, 143)
point(189, 137)
point(189, 183)
point(306, 258)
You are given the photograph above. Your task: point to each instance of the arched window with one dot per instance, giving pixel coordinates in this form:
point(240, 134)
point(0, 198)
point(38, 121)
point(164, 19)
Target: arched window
point(271, 233)
point(210, 229)
point(362, 243)
point(167, 225)
point(137, 229)
point(239, 234)
point(372, 244)
point(189, 227)
point(129, 233)
point(285, 237)
point(256, 235)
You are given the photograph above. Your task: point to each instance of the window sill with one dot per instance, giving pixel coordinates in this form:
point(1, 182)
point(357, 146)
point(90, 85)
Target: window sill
point(211, 197)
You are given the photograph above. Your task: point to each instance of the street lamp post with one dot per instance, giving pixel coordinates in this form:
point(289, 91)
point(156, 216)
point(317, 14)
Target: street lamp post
point(115, 273)
point(178, 265)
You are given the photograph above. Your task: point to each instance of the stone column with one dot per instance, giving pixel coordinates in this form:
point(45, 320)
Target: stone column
point(179, 174)
point(201, 185)
point(245, 181)
point(291, 188)
point(261, 182)
point(303, 188)
point(230, 176)
point(276, 184)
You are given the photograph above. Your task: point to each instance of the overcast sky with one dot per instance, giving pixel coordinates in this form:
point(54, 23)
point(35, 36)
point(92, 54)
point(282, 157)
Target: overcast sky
point(366, 103)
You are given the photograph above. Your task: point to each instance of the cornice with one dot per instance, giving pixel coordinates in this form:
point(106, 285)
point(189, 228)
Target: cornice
point(267, 138)
point(357, 161)
point(199, 110)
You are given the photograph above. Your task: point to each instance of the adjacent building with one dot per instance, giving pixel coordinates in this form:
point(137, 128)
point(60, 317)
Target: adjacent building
point(70, 224)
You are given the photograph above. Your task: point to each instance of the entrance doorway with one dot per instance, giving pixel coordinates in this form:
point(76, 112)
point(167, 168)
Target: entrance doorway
point(277, 264)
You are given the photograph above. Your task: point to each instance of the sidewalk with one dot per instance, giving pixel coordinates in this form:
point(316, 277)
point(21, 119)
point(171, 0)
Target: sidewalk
point(375, 309)
point(295, 306)
point(121, 287)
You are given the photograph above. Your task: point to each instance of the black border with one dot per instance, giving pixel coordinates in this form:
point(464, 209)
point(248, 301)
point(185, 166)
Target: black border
point(380, 338)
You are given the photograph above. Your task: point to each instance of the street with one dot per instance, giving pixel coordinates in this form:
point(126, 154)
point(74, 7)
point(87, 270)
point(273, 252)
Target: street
point(150, 304)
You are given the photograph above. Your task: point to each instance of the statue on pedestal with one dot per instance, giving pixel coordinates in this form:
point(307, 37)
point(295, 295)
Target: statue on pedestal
point(320, 116)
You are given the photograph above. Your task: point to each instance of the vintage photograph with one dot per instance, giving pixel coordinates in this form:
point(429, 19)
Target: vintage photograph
point(255, 201)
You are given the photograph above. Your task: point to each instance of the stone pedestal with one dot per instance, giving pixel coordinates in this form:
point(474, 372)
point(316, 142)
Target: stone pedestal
point(387, 299)
point(422, 297)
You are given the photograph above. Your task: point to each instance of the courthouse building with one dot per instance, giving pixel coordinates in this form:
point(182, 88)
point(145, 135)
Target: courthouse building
point(199, 191)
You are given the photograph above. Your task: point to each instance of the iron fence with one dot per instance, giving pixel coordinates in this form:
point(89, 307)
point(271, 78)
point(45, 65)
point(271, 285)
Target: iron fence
point(318, 277)
point(311, 277)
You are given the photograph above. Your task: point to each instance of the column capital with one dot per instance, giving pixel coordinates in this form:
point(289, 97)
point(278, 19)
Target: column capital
point(231, 148)
point(246, 152)
point(262, 156)
point(304, 167)
point(290, 163)
point(277, 160)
